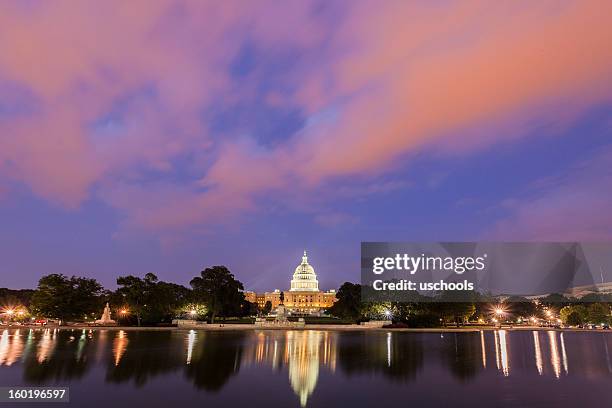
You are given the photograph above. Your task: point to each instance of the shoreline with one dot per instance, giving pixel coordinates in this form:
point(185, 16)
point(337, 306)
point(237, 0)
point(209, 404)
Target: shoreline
point(355, 327)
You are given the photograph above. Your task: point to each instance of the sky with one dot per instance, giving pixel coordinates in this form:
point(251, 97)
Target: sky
point(169, 136)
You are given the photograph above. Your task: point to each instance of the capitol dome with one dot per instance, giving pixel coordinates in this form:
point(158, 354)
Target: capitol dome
point(304, 277)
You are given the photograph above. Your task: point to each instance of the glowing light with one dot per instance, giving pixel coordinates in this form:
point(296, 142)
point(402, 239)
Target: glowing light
point(123, 311)
point(192, 312)
point(499, 311)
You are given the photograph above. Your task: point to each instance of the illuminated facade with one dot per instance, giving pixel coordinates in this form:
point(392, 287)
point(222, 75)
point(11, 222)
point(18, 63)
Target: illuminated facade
point(303, 297)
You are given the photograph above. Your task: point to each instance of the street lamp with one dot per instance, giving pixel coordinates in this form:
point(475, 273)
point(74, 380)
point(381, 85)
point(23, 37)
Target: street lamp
point(498, 312)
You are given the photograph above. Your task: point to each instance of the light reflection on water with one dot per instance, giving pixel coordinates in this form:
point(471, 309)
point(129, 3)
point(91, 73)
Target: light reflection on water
point(208, 360)
point(538, 351)
point(119, 346)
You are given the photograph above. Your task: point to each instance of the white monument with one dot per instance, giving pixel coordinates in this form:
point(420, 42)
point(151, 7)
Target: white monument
point(304, 277)
point(106, 317)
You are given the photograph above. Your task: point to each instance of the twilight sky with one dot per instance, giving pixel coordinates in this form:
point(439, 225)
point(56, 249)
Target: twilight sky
point(167, 136)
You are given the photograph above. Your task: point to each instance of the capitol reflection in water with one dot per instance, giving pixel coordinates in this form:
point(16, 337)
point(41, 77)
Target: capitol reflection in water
point(310, 367)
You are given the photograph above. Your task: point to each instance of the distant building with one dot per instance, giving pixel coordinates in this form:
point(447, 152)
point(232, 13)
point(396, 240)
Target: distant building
point(597, 288)
point(603, 288)
point(303, 297)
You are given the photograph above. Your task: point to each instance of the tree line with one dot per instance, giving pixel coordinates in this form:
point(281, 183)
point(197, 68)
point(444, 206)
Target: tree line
point(215, 293)
point(442, 310)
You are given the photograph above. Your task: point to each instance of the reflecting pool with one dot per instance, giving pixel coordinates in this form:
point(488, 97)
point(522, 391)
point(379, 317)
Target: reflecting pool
point(311, 368)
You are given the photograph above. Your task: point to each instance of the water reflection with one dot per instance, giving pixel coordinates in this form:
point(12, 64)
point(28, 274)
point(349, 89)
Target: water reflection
point(396, 356)
point(538, 352)
point(55, 356)
point(502, 356)
point(215, 359)
point(46, 345)
point(564, 355)
point(191, 339)
point(302, 352)
point(555, 360)
point(303, 355)
point(297, 360)
point(11, 347)
point(483, 349)
point(119, 346)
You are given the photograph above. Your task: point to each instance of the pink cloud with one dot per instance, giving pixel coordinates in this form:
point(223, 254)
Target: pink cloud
point(383, 80)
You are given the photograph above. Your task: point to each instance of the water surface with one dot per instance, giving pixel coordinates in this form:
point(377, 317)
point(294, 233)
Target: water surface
point(312, 368)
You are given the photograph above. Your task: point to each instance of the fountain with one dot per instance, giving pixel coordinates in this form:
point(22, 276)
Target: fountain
point(106, 317)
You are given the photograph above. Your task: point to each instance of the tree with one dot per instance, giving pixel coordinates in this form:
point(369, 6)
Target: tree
point(267, 308)
point(151, 300)
point(136, 292)
point(452, 306)
point(457, 312)
point(250, 308)
point(15, 297)
point(599, 313)
point(579, 313)
point(164, 300)
point(555, 299)
point(574, 319)
point(221, 292)
point(521, 307)
point(64, 298)
point(349, 304)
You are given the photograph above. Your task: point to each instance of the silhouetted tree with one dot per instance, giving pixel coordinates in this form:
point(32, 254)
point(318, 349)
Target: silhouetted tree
point(349, 304)
point(67, 298)
point(135, 292)
point(599, 313)
point(221, 292)
point(267, 307)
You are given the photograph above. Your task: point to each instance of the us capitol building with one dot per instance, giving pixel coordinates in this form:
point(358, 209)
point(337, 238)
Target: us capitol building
point(304, 297)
